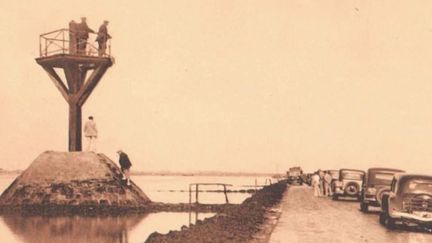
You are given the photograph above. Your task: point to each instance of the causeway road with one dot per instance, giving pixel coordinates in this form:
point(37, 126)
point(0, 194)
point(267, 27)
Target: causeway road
point(305, 218)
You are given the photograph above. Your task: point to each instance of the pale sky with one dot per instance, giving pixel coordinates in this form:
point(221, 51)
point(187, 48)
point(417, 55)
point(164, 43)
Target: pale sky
point(228, 85)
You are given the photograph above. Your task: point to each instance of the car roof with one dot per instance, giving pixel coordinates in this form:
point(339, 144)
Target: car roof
point(354, 170)
point(332, 170)
point(409, 176)
point(385, 169)
point(404, 178)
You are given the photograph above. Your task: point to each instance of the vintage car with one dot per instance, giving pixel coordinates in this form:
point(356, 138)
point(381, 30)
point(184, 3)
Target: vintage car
point(376, 183)
point(409, 202)
point(294, 175)
point(349, 184)
point(306, 178)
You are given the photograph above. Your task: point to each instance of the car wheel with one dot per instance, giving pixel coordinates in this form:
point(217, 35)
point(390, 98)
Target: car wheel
point(364, 207)
point(335, 197)
point(352, 189)
point(380, 193)
point(390, 223)
point(387, 221)
point(382, 218)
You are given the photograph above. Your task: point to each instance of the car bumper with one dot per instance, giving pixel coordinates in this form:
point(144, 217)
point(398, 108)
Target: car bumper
point(421, 218)
point(371, 201)
point(341, 192)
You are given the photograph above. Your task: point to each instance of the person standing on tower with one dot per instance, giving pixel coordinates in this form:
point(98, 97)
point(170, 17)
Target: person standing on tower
point(73, 37)
point(91, 133)
point(102, 38)
point(83, 35)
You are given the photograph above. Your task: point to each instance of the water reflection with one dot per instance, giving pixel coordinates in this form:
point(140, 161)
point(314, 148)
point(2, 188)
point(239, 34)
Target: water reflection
point(73, 229)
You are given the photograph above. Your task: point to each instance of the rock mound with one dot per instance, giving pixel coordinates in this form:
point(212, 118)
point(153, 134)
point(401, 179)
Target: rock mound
point(72, 182)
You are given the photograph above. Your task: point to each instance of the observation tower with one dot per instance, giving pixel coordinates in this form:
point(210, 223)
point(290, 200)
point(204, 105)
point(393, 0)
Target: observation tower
point(83, 68)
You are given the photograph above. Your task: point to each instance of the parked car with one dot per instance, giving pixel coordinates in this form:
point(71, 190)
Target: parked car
point(349, 183)
point(306, 178)
point(409, 201)
point(294, 175)
point(377, 182)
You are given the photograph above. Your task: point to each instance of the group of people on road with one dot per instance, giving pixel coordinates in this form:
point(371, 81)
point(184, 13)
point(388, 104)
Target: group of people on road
point(91, 134)
point(79, 35)
point(321, 183)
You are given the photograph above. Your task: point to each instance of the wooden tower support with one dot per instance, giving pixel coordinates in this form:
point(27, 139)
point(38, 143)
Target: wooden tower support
point(78, 87)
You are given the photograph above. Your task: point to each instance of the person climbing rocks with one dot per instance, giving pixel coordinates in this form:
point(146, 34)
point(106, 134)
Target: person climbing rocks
point(125, 165)
point(91, 133)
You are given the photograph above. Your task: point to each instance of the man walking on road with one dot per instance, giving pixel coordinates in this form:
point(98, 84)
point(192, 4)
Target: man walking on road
point(316, 184)
point(91, 133)
point(327, 184)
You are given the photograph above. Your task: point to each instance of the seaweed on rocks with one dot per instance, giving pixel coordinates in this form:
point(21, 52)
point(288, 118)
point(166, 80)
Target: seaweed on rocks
point(234, 224)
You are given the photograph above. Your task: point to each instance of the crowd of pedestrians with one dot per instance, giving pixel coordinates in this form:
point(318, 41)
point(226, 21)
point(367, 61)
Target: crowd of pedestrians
point(321, 183)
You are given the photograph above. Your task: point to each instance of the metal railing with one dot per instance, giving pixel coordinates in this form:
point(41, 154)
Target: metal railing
point(64, 41)
point(196, 185)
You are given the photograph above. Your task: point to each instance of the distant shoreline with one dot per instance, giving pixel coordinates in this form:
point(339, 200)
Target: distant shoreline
point(10, 172)
point(201, 173)
point(173, 173)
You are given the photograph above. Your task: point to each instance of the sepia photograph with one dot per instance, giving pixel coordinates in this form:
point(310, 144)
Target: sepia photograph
point(215, 121)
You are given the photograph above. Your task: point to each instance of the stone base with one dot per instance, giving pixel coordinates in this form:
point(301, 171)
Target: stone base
point(72, 182)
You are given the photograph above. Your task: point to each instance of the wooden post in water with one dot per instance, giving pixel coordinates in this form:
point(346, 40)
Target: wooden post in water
point(226, 196)
point(190, 204)
point(190, 194)
point(196, 193)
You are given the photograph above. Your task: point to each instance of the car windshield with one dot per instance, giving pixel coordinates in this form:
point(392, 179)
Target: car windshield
point(381, 178)
point(351, 175)
point(294, 173)
point(418, 186)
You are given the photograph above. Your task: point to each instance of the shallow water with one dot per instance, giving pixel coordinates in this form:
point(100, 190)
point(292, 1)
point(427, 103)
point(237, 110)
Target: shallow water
point(123, 229)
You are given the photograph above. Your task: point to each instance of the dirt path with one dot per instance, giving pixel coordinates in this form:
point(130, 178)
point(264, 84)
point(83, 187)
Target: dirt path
point(306, 218)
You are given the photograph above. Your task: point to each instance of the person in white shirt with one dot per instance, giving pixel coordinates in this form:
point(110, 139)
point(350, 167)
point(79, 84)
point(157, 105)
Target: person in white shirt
point(316, 185)
point(91, 133)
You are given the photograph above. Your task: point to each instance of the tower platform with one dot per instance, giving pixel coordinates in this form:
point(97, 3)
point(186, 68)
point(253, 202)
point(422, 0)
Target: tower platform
point(62, 60)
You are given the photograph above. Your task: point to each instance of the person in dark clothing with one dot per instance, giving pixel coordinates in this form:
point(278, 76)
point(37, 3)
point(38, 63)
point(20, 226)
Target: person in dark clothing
point(125, 165)
point(82, 35)
point(102, 38)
